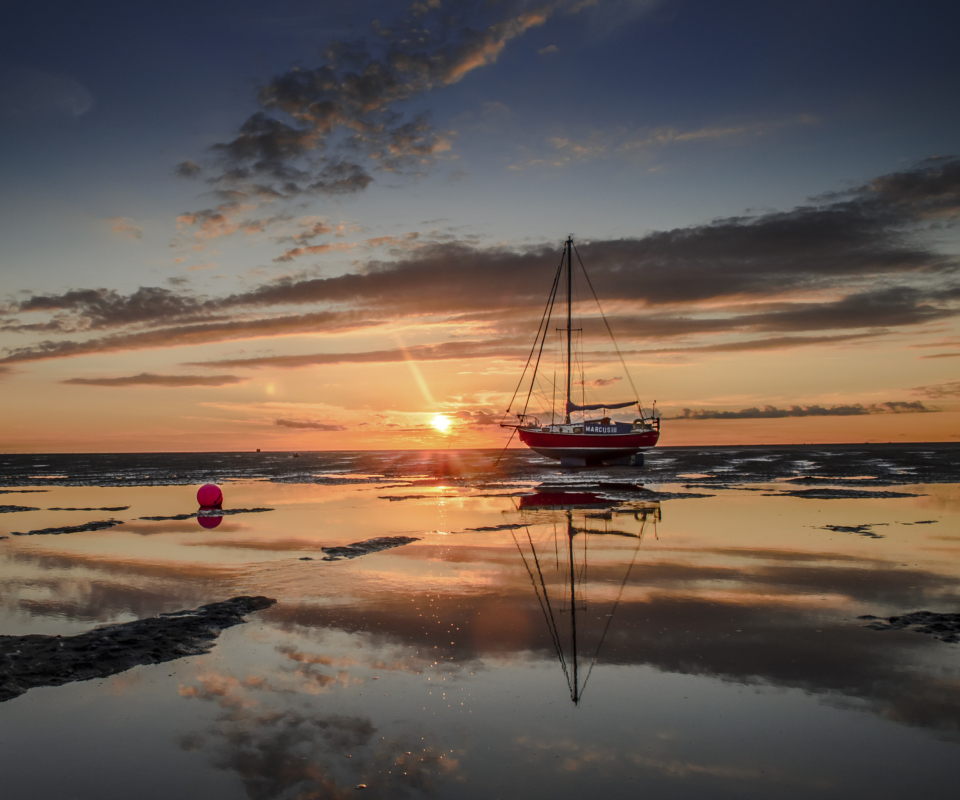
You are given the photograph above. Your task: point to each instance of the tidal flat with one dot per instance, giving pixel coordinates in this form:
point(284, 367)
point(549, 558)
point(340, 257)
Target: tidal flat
point(720, 622)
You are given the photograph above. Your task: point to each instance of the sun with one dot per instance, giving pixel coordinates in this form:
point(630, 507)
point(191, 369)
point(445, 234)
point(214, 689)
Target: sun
point(441, 423)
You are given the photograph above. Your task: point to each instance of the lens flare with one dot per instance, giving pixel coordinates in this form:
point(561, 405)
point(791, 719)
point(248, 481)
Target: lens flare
point(441, 423)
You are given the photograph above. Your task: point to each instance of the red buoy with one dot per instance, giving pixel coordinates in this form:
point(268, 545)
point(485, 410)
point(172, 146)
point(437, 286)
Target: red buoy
point(210, 496)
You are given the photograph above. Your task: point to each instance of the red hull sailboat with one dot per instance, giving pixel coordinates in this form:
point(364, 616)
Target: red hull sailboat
point(572, 441)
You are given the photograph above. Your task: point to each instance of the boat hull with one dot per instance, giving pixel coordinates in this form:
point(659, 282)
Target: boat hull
point(586, 447)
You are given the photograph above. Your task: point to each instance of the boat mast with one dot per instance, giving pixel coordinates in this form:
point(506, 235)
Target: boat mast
point(573, 609)
point(569, 248)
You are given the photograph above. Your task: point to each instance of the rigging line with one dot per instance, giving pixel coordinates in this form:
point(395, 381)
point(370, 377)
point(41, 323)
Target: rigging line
point(553, 621)
point(549, 305)
point(603, 316)
point(551, 626)
point(615, 605)
point(533, 581)
point(548, 312)
point(495, 463)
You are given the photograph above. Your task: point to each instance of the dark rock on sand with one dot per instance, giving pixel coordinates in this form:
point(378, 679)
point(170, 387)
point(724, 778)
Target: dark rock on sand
point(840, 494)
point(30, 661)
point(98, 525)
point(14, 509)
point(368, 546)
point(509, 526)
point(945, 627)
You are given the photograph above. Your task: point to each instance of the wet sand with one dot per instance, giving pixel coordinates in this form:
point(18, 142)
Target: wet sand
point(696, 627)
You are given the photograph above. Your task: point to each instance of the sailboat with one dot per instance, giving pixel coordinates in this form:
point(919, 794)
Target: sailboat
point(573, 441)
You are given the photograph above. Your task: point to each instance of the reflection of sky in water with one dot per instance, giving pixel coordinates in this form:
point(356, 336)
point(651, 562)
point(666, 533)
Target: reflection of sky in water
point(733, 664)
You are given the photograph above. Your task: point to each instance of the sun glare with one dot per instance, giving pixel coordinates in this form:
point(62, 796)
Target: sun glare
point(441, 423)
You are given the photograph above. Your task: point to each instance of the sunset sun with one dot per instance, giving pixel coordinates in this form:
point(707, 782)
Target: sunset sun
point(441, 423)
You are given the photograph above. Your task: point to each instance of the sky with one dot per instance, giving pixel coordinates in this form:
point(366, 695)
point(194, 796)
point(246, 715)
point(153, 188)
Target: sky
point(323, 225)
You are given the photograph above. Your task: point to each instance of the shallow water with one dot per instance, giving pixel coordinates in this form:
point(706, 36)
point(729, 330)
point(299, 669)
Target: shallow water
point(717, 646)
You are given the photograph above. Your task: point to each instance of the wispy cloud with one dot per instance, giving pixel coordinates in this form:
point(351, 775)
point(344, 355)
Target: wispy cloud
point(151, 379)
point(125, 228)
point(939, 391)
point(33, 93)
point(598, 383)
point(435, 352)
point(308, 424)
point(188, 169)
point(478, 418)
point(563, 150)
point(772, 412)
point(313, 250)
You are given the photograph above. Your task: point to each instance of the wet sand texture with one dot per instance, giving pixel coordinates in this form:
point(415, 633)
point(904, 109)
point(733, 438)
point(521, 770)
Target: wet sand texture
point(945, 627)
point(368, 546)
point(30, 661)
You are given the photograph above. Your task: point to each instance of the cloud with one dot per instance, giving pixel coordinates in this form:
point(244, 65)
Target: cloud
point(939, 391)
point(866, 235)
point(324, 129)
point(772, 412)
point(550, 48)
point(308, 424)
point(125, 228)
point(188, 335)
point(150, 379)
point(27, 93)
point(844, 267)
point(103, 308)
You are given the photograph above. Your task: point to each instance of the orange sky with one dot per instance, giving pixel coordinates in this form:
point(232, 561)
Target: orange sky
point(307, 260)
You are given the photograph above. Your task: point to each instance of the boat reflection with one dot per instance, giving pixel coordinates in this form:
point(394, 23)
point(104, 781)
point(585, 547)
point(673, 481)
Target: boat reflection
point(554, 547)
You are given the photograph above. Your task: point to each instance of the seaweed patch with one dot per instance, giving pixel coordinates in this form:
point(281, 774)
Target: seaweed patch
point(864, 530)
point(945, 627)
point(97, 525)
point(34, 660)
point(208, 512)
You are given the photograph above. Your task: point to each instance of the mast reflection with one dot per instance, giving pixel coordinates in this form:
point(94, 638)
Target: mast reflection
point(557, 563)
